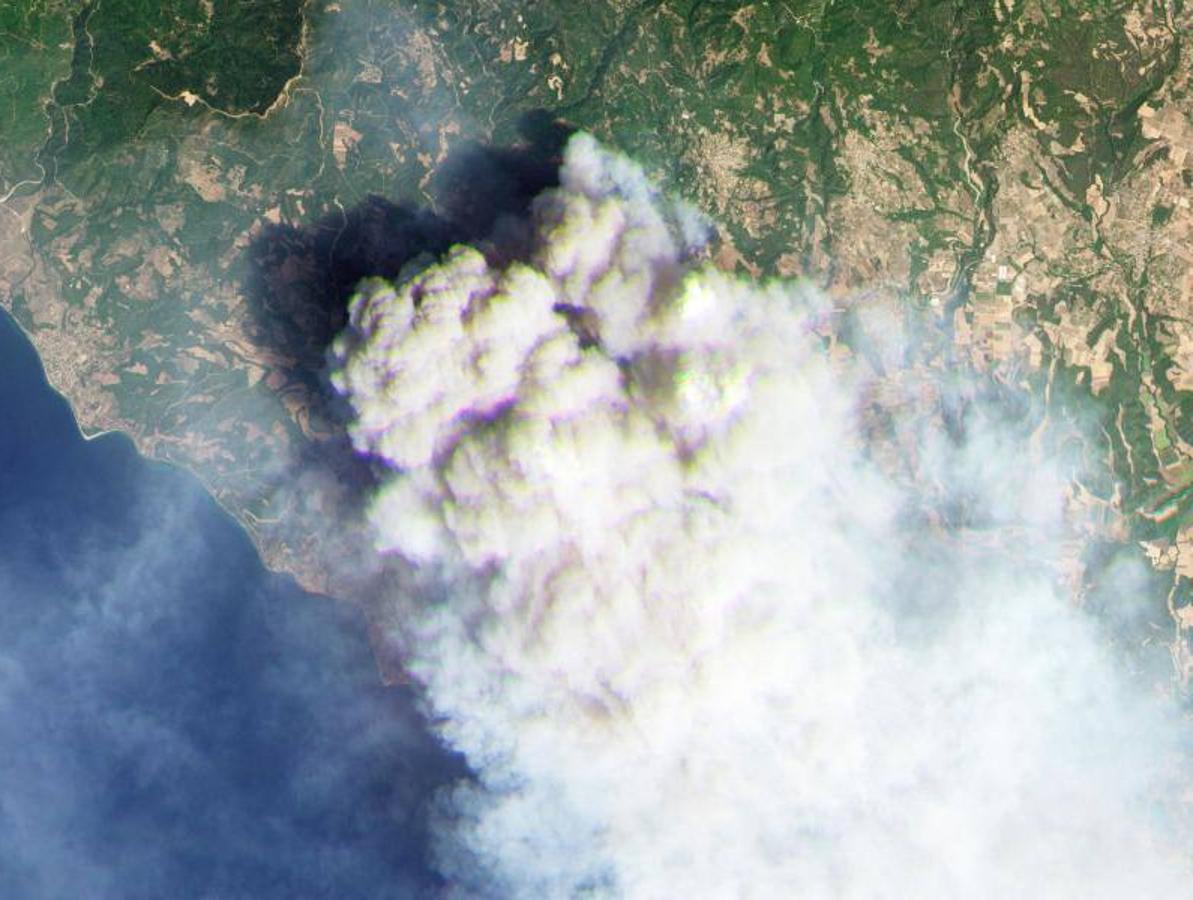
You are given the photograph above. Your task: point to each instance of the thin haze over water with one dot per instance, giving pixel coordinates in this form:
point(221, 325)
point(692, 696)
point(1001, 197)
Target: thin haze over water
point(174, 721)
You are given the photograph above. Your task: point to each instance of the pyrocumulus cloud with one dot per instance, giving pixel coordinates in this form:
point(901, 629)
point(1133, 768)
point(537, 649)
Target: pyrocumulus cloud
point(716, 606)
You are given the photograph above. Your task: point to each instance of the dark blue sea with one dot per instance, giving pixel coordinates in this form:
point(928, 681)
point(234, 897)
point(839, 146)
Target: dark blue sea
point(175, 721)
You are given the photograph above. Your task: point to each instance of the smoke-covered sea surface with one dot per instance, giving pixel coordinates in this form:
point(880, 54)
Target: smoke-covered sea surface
point(174, 721)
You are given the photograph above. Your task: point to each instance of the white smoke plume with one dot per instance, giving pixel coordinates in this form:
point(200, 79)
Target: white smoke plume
point(715, 608)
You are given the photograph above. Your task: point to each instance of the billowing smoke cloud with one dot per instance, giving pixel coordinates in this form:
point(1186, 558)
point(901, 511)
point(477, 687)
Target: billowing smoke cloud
point(716, 606)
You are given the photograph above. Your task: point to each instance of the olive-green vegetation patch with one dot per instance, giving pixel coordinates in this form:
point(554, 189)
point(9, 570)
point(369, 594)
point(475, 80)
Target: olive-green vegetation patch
point(237, 56)
point(35, 51)
point(130, 56)
point(1082, 78)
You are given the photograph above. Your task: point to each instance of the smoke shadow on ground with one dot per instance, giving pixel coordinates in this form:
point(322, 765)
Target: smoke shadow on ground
point(302, 277)
point(299, 280)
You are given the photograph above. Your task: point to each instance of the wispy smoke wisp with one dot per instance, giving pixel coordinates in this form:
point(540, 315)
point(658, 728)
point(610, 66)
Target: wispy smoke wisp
point(717, 607)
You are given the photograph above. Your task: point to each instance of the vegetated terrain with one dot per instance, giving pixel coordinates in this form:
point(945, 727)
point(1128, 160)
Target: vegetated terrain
point(192, 186)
